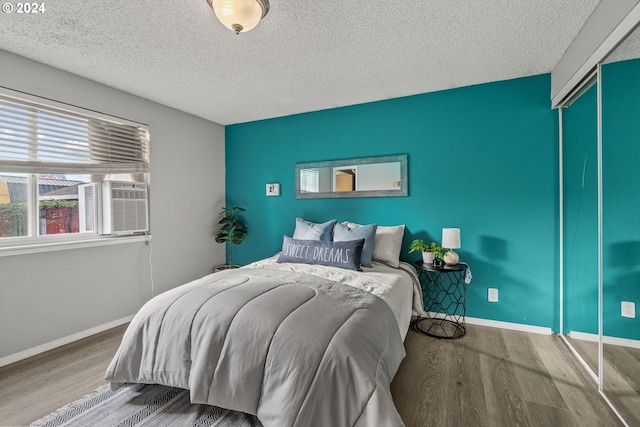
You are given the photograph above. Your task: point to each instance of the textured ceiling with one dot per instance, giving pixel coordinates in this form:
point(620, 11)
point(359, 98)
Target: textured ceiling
point(304, 56)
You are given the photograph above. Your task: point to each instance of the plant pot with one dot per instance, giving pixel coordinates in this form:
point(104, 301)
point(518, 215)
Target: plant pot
point(427, 257)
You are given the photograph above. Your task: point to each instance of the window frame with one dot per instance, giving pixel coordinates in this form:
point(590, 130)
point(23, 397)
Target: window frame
point(34, 242)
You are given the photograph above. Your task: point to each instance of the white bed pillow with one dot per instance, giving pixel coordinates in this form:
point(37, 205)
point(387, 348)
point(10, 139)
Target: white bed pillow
point(388, 243)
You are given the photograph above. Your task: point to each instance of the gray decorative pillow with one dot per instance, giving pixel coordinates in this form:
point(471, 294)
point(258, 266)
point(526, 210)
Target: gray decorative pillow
point(306, 230)
point(388, 243)
point(343, 233)
point(321, 252)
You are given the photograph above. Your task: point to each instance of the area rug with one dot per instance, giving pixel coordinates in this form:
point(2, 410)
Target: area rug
point(143, 405)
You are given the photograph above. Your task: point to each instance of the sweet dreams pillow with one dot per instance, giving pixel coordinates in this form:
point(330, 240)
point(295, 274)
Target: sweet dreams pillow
point(345, 255)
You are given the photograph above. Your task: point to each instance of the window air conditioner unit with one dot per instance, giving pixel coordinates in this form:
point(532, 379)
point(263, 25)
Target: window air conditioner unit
point(124, 207)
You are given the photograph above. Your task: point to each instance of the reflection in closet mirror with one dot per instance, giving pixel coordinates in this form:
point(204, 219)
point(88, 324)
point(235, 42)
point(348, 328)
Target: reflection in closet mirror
point(600, 201)
point(620, 78)
point(580, 221)
point(600, 223)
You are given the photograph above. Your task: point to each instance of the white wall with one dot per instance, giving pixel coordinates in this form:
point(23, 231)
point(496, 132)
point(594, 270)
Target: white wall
point(49, 296)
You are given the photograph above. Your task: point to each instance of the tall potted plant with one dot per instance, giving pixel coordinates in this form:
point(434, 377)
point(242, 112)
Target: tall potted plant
point(232, 232)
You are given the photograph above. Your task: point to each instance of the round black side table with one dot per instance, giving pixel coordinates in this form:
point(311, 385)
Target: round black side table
point(443, 292)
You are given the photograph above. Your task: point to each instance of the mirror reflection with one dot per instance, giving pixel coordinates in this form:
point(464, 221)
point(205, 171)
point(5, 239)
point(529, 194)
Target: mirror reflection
point(580, 203)
point(621, 236)
point(364, 177)
point(603, 329)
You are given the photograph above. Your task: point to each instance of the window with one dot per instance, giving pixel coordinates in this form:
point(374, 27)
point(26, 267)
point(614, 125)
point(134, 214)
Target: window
point(48, 151)
point(309, 182)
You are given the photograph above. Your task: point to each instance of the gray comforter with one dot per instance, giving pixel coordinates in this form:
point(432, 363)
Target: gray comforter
point(293, 349)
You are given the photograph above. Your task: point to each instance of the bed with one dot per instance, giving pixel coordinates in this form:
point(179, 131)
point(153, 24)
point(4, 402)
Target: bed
point(293, 343)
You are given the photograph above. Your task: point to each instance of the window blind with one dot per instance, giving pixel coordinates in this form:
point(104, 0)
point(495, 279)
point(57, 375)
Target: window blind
point(46, 137)
point(309, 180)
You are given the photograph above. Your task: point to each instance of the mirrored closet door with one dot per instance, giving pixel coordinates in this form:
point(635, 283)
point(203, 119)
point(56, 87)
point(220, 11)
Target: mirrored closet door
point(620, 80)
point(580, 220)
point(600, 225)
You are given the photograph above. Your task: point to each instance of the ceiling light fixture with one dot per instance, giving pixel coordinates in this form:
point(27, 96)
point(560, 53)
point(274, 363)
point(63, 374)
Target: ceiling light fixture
point(240, 15)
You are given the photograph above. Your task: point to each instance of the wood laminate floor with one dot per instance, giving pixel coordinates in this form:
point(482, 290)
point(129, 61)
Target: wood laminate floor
point(621, 375)
point(490, 377)
point(496, 377)
point(35, 387)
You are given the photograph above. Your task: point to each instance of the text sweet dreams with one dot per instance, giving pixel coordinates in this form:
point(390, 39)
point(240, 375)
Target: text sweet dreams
point(345, 254)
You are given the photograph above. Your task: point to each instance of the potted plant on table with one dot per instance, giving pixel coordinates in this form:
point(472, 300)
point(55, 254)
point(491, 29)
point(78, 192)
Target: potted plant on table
point(430, 252)
point(232, 232)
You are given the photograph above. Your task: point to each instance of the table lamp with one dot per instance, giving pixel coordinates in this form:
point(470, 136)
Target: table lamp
point(451, 240)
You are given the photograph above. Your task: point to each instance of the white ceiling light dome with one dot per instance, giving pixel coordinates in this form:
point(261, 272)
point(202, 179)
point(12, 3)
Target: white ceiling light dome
point(240, 15)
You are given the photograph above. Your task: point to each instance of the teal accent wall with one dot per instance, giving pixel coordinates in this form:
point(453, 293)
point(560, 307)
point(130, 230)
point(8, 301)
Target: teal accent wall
point(482, 158)
point(580, 139)
point(621, 195)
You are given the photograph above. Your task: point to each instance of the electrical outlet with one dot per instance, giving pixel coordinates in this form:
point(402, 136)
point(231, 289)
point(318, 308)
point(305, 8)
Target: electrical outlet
point(493, 295)
point(628, 309)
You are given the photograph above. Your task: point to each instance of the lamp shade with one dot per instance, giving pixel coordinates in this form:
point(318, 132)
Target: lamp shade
point(451, 238)
point(240, 15)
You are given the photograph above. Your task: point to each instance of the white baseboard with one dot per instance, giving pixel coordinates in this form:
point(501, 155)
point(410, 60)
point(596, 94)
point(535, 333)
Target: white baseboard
point(623, 342)
point(7, 360)
point(503, 325)
point(508, 325)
